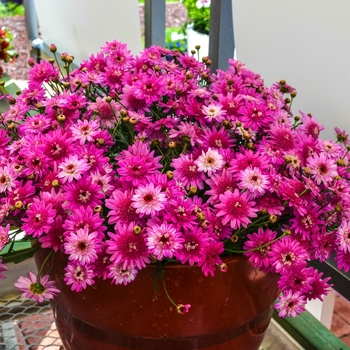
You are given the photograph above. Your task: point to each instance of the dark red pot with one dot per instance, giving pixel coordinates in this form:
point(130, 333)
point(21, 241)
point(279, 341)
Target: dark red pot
point(229, 311)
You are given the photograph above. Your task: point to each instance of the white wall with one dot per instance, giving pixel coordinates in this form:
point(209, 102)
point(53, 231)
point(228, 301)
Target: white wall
point(81, 27)
point(305, 42)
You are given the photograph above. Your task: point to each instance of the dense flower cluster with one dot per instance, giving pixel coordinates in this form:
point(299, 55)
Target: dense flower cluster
point(7, 52)
point(128, 161)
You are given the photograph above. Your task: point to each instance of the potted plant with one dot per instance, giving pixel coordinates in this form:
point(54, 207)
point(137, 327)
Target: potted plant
point(7, 52)
point(167, 206)
point(197, 25)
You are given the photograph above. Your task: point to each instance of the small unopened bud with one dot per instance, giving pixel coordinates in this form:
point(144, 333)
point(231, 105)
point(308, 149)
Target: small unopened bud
point(11, 126)
point(287, 100)
point(234, 238)
point(288, 159)
point(227, 124)
point(2, 83)
point(193, 52)
point(293, 94)
point(200, 216)
point(340, 162)
point(98, 209)
point(170, 174)
point(197, 47)
point(223, 267)
point(55, 183)
point(61, 118)
point(250, 145)
point(282, 82)
point(238, 124)
point(133, 121)
point(19, 205)
point(31, 61)
point(100, 142)
point(31, 176)
point(296, 118)
point(125, 120)
point(108, 99)
point(51, 61)
point(193, 189)
point(123, 113)
point(137, 229)
point(53, 48)
point(307, 170)
point(287, 232)
point(189, 75)
point(208, 63)
point(18, 92)
point(172, 144)
point(205, 224)
point(273, 219)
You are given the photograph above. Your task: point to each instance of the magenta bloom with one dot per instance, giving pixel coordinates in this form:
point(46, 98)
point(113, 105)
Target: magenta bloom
point(163, 240)
point(119, 275)
point(40, 216)
point(290, 304)
point(79, 276)
point(36, 289)
point(3, 269)
point(82, 246)
point(287, 254)
point(127, 248)
point(236, 209)
point(148, 200)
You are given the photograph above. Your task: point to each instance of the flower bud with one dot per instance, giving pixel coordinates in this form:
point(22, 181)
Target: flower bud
point(19, 205)
point(108, 99)
point(193, 52)
point(273, 219)
point(55, 183)
point(193, 189)
point(98, 209)
point(169, 174)
point(340, 162)
point(234, 238)
point(200, 216)
point(53, 48)
point(137, 229)
point(197, 47)
point(31, 61)
point(296, 118)
point(293, 94)
point(172, 144)
point(223, 267)
point(61, 118)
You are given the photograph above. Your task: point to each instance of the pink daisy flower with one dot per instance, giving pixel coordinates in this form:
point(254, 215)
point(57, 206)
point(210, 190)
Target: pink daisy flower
point(54, 238)
point(85, 130)
point(257, 247)
point(290, 304)
point(323, 169)
point(82, 246)
point(3, 269)
point(163, 240)
point(4, 235)
point(287, 254)
point(39, 218)
point(36, 288)
point(106, 112)
point(343, 236)
point(186, 171)
point(78, 275)
point(72, 168)
point(323, 244)
point(236, 209)
point(210, 258)
point(209, 161)
point(253, 180)
point(213, 112)
point(148, 200)
point(219, 184)
point(127, 248)
point(83, 193)
point(120, 275)
point(121, 207)
point(193, 245)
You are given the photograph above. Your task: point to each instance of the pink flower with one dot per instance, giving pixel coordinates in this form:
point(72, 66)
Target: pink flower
point(39, 219)
point(36, 288)
point(183, 308)
point(290, 304)
point(209, 161)
point(84, 131)
point(72, 168)
point(236, 209)
point(4, 236)
point(3, 269)
point(253, 180)
point(163, 240)
point(323, 169)
point(82, 246)
point(79, 276)
point(127, 248)
point(287, 254)
point(119, 275)
point(148, 200)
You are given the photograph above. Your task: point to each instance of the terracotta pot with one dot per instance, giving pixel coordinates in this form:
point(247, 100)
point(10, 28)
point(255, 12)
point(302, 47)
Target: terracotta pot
point(229, 311)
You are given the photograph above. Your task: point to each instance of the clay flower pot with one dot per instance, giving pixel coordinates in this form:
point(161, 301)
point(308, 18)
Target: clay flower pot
point(229, 311)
